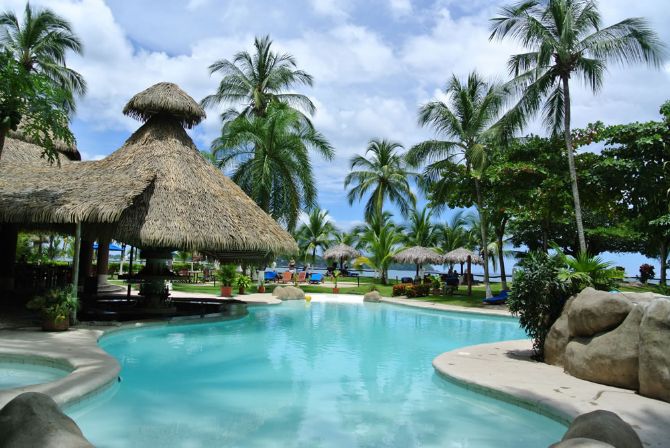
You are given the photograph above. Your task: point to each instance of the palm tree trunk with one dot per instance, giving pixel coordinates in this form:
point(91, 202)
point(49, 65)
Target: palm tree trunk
point(664, 263)
point(501, 260)
point(482, 225)
point(571, 165)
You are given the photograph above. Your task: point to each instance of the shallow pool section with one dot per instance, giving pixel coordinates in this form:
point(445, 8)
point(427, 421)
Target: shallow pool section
point(15, 374)
point(307, 375)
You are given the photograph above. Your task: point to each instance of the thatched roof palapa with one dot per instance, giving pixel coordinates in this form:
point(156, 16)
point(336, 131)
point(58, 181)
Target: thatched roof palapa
point(70, 151)
point(460, 255)
point(418, 255)
point(165, 98)
point(341, 251)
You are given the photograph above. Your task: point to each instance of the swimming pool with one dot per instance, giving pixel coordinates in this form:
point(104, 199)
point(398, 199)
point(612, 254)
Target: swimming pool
point(307, 375)
point(16, 374)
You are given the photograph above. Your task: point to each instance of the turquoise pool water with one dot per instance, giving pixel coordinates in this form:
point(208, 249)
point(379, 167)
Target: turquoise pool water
point(14, 374)
point(301, 375)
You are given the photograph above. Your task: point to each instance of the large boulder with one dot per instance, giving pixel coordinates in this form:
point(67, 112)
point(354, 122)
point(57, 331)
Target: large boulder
point(603, 426)
point(33, 419)
point(594, 312)
point(558, 337)
point(581, 442)
point(288, 293)
point(609, 358)
point(654, 351)
point(372, 296)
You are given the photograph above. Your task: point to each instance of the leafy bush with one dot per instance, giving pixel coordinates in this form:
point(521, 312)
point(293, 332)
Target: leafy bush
point(56, 304)
point(585, 270)
point(410, 290)
point(243, 281)
point(538, 296)
point(646, 273)
point(227, 274)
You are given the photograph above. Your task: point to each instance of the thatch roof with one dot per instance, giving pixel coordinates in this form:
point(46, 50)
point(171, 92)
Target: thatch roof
point(418, 255)
point(341, 251)
point(165, 98)
point(69, 151)
point(33, 193)
point(460, 255)
point(18, 150)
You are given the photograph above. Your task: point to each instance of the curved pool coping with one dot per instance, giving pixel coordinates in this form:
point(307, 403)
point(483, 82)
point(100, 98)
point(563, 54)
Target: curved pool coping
point(496, 369)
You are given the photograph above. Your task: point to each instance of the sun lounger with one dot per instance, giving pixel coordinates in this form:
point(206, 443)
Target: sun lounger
point(270, 276)
point(302, 276)
point(497, 299)
point(287, 277)
point(316, 278)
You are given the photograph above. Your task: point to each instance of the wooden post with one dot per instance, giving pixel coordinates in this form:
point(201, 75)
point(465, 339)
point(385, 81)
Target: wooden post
point(75, 260)
point(130, 269)
point(469, 275)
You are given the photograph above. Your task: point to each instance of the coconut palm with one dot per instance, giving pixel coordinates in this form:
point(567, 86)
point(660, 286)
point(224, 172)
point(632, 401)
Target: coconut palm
point(454, 234)
point(381, 240)
point(384, 175)
point(349, 238)
point(419, 230)
point(565, 38)
point(40, 43)
point(472, 118)
point(316, 233)
point(255, 80)
point(271, 161)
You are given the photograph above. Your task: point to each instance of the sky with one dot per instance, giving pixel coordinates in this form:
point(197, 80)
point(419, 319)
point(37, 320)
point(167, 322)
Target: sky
point(374, 63)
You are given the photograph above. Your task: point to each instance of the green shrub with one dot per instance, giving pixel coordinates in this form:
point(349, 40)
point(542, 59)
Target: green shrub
point(538, 296)
point(409, 290)
point(226, 274)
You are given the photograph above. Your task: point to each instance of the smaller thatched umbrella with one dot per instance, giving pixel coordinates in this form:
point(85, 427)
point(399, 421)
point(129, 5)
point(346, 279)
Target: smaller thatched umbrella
point(341, 252)
point(460, 256)
point(418, 255)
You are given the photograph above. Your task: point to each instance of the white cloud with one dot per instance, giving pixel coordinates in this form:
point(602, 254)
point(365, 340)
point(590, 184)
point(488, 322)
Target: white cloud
point(400, 8)
point(336, 9)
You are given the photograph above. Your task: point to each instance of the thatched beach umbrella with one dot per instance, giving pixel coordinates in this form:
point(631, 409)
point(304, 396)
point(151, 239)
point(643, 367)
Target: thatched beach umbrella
point(341, 252)
point(460, 256)
point(419, 256)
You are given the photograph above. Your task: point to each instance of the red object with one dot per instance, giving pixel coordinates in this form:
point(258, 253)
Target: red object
point(226, 291)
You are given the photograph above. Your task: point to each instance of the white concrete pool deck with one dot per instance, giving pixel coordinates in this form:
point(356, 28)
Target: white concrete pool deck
point(502, 370)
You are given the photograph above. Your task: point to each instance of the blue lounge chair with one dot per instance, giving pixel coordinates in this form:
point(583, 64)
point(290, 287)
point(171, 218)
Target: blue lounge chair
point(497, 299)
point(270, 276)
point(316, 278)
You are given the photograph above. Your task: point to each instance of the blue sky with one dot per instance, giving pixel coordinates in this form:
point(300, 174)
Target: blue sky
point(374, 62)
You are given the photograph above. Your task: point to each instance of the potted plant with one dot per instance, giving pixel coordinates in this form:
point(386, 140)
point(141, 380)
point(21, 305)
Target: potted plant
point(261, 284)
point(336, 274)
point(436, 285)
point(226, 276)
point(242, 282)
point(56, 306)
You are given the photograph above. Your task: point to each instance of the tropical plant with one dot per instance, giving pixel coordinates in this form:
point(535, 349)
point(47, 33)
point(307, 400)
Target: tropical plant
point(419, 230)
point(472, 118)
point(227, 274)
point(56, 304)
point(646, 272)
point(538, 296)
point(316, 233)
point(336, 275)
point(39, 44)
point(243, 282)
point(381, 240)
point(384, 175)
point(585, 270)
point(565, 38)
point(271, 160)
point(453, 234)
point(256, 80)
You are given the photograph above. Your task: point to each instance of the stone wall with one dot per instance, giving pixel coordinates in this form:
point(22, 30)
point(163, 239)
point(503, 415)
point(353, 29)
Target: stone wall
point(618, 339)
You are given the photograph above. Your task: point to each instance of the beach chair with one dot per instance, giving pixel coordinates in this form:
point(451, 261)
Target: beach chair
point(302, 277)
point(316, 278)
point(497, 299)
point(270, 276)
point(287, 277)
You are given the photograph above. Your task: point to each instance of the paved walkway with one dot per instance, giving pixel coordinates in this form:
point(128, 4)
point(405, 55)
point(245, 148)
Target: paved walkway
point(504, 370)
point(493, 310)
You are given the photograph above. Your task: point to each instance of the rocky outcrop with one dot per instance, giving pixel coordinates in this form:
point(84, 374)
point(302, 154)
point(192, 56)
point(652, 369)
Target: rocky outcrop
point(372, 296)
point(602, 426)
point(33, 419)
point(593, 312)
point(655, 351)
point(288, 293)
point(581, 443)
point(609, 358)
point(558, 337)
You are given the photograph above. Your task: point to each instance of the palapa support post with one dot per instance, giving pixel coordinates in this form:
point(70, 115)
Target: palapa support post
point(102, 262)
point(75, 260)
point(469, 275)
point(9, 235)
point(130, 270)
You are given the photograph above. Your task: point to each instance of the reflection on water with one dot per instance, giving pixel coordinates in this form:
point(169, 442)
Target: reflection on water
point(327, 374)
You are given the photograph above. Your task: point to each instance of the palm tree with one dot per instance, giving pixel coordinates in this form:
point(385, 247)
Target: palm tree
point(349, 238)
point(453, 234)
point(254, 81)
point(471, 117)
point(271, 160)
point(40, 44)
point(420, 231)
point(381, 239)
point(565, 38)
point(316, 233)
point(385, 173)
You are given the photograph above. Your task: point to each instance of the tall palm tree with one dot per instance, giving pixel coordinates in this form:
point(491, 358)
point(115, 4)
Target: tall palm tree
point(419, 230)
point(384, 175)
point(565, 38)
point(40, 43)
point(472, 118)
point(316, 233)
point(271, 161)
point(453, 234)
point(255, 80)
point(351, 238)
